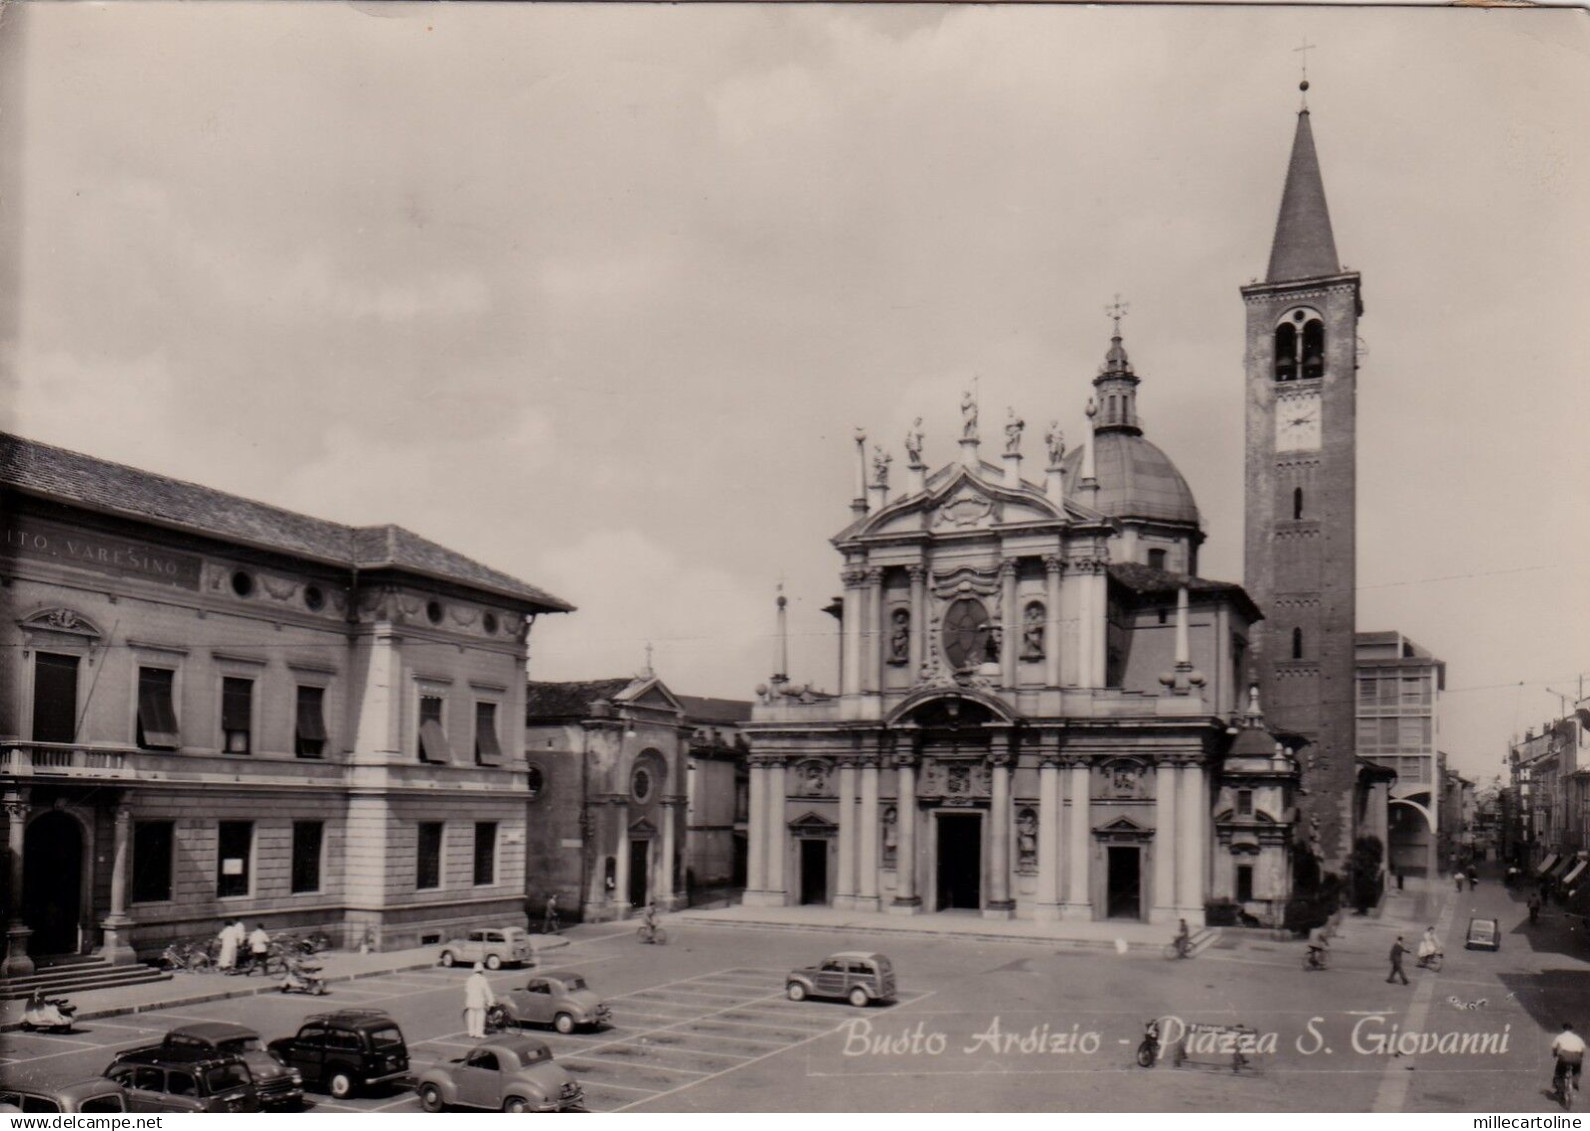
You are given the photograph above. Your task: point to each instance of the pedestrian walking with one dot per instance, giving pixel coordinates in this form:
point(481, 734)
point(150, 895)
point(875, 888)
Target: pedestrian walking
point(1457, 878)
point(231, 938)
point(259, 946)
point(550, 925)
point(1397, 951)
point(477, 999)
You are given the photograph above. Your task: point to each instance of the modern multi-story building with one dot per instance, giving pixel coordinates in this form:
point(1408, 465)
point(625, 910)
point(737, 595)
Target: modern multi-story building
point(1398, 696)
point(214, 709)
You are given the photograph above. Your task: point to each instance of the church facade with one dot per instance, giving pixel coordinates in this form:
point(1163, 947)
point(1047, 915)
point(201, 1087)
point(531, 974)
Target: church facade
point(1044, 711)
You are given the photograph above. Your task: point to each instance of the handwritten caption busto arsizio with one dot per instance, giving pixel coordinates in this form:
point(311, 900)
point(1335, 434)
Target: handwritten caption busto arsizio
point(1367, 1034)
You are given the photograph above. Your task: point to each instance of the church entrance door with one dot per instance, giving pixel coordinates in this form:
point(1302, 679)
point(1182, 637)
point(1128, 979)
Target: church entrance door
point(814, 871)
point(639, 872)
point(1124, 899)
point(960, 861)
point(52, 883)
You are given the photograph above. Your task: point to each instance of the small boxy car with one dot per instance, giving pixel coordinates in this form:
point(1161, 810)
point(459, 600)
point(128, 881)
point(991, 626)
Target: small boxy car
point(561, 1000)
point(275, 1083)
point(346, 1051)
point(492, 946)
point(183, 1080)
point(87, 1096)
point(860, 977)
point(508, 1072)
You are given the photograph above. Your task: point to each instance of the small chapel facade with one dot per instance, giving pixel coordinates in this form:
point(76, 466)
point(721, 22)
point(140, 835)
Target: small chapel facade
point(1039, 699)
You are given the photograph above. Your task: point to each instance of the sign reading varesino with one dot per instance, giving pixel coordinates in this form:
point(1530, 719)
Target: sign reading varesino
point(33, 538)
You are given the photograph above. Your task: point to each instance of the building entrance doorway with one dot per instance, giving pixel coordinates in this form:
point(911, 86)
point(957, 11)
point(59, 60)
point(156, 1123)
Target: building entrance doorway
point(814, 871)
point(639, 872)
point(52, 883)
point(960, 860)
point(1124, 898)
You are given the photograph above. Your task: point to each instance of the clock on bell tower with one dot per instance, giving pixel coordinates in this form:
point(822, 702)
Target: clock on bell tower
point(1300, 557)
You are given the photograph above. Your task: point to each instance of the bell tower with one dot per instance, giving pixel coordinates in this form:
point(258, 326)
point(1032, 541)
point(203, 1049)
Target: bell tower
point(1301, 449)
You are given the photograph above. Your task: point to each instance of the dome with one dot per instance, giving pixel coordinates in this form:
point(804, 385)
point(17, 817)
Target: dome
point(1136, 480)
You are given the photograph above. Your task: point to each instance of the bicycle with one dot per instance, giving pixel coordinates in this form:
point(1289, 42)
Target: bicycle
point(651, 934)
point(1148, 1051)
point(1432, 962)
point(1179, 948)
point(1565, 1085)
point(1316, 959)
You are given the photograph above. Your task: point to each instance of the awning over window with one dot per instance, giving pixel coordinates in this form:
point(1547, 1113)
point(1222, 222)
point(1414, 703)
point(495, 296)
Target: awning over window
point(1547, 864)
point(433, 743)
point(1562, 866)
point(157, 717)
point(1574, 873)
point(488, 751)
point(311, 717)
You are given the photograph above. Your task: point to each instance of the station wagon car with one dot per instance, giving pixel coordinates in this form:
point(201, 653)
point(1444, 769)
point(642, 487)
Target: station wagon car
point(276, 1084)
point(860, 977)
point(507, 1072)
point(561, 1000)
point(87, 1096)
point(183, 1080)
point(346, 1051)
point(492, 946)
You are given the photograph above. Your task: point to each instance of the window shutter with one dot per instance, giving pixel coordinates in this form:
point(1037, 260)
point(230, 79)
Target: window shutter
point(311, 714)
point(157, 717)
point(433, 743)
point(488, 751)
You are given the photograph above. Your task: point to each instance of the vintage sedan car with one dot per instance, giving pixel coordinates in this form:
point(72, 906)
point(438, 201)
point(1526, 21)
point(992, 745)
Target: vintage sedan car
point(94, 1095)
point(860, 977)
point(491, 946)
point(276, 1084)
point(561, 1000)
point(183, 1080)
point(346, 1051)
point(507, 1072)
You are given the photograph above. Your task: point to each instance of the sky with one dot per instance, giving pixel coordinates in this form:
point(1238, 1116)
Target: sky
point(598, 294)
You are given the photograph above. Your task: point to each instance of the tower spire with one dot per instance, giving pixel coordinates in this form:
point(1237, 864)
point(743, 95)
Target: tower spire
point(1116, 385)
point(1304, 246)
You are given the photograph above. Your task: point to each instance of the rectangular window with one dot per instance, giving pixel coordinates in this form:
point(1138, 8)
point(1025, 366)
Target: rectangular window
point(1368, 732)
point(235, 843)
point(237, 711)
point(1244, 883)
point(428, 856)
point(309, 735)
point(152, 843)
point(157, 713)
point(488, 752)
point(485, 853)
point(1156, 559)
point(1244, 802)
point(1388, 734)
point(1415, 691)
point(1413, 733)
point(433, 740)
point(54, 698)
point(307, 838)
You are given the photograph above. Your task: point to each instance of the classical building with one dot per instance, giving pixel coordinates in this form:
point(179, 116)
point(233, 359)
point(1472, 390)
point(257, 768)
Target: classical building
point(1399, 694)
point(1300, 564)
point(615, 770)
point(717, 797)
point(215, 709)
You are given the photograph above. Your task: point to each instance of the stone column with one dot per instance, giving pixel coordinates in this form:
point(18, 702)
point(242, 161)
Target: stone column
point(845, 886)
point(1086, 615)
point(1166, 846)
point(621, 865)
point(1079, 843)
point(17, 964)
point(117, 947)
point(872, 678)
point(1010, 633)
point(1048, 840)
point(867, 857)
point(918, 620)
point(906, 900)
point(850, 628)
point(999, 905)
point(663, 872)
point(1099, 583)
point(1053, 566)
point(777, 831)
point(756, 834)
point(1190, 844)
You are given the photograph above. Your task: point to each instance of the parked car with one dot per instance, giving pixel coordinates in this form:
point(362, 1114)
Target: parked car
point(275, 1083)
point(346, 1051)
point(508, 1072)
point(87, 1096)
point(183, 1080)
point(562, 1000)
point(490, 945)
point(857, 976)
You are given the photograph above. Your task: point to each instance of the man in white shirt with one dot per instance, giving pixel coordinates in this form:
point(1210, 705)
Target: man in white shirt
point(1568, 1049)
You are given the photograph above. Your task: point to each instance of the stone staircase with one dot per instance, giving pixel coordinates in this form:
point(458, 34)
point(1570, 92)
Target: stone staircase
point(78, 973)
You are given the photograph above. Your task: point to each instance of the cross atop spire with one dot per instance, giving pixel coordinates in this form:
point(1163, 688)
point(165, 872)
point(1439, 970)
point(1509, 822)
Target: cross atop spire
point(1117, 310)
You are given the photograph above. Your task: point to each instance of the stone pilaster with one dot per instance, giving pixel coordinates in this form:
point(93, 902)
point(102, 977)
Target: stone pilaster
point(1010, 619)
point(1192, 808)
point(906, 899)
point(1079, 844)
point(1053, 566)
point(918, 575)
point(845, 885)
point(1166, 845)
point(1048, 839)
point(999, 905)
point(867, 863)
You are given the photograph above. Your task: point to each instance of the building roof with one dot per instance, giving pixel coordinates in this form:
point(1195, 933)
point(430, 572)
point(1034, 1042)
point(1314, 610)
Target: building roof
point(1146, 581)
point(1304, 246)
point(571, 699)
point(112, 488)
point(723, 712)
point(1135, 478)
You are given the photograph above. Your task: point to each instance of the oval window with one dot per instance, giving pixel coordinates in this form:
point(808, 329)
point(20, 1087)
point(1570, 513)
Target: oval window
point(433, 612)
point(489, 623)
point(642, 785)
point(314, 599)
point(242, 582)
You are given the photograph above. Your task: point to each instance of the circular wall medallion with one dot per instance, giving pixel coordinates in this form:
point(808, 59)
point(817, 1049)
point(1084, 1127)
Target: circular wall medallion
point(966, 632)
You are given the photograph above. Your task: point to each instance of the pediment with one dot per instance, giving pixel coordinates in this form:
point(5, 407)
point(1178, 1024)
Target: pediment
point(649, 692)
point(960, 500)
point(1122, 825)
point(643, 827)
point(812, 822)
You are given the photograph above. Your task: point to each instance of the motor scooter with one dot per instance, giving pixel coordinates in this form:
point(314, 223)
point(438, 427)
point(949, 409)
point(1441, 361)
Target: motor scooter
point(1148, 1051)
point(48, 1015)
point(303, 978)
